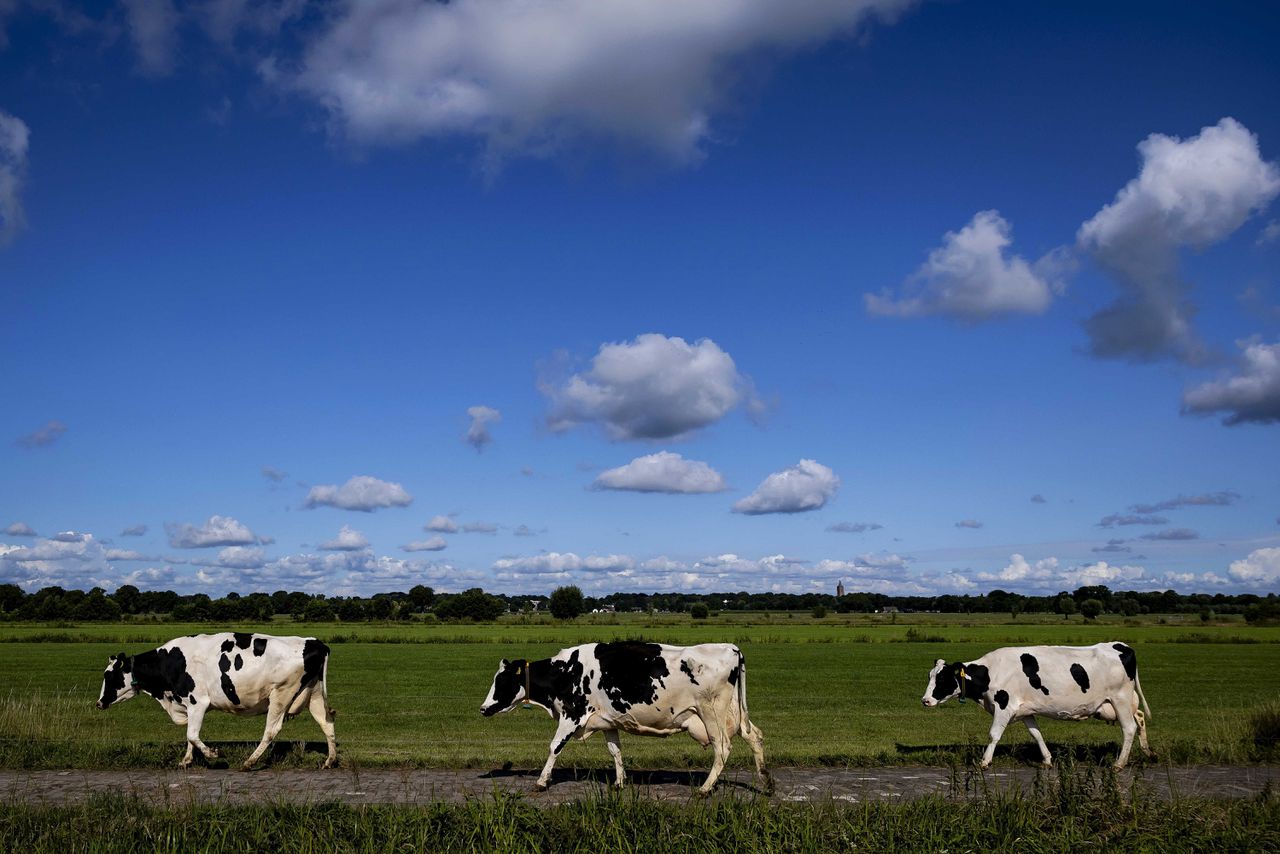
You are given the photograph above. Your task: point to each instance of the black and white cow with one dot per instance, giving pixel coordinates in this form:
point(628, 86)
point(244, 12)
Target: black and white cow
point(1069, 683)
point(237, 672)
point(642, 688)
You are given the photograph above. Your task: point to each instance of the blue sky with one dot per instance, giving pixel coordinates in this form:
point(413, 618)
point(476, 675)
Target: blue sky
point(741, 295)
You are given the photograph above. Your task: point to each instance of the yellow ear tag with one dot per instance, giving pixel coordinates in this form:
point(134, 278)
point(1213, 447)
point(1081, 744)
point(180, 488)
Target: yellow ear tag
point(963, 676)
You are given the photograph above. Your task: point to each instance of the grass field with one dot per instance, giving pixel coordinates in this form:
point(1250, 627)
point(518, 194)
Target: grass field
point(841, 690)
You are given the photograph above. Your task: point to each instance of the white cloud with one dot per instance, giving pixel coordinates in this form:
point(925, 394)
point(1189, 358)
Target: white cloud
point(1260, 568)
point(153, 28)
point(274, 474)
point(853, 527)
point(478, 433)
point(236, 557)
point(441, 524)
point(969, 523)
point(662, 472)
point(134, 531)
point(20, 529)
point(218, 531)
point(561, 565)
point(1047, 575)
point(969, 278)
point(1269, 233)
point(1222, 498)
point(1251, 396)
point(14, 140)
point(1172, 534)
point(1114, 519)
point(434, 544)
point(348, 540)
point(479, 528)
point(1193, 192)
point(654, 387)
point(362, 493)
point(527, 77)
point(808, 485)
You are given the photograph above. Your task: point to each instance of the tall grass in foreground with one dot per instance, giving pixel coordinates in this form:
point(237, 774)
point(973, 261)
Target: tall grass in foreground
point(1069, 817)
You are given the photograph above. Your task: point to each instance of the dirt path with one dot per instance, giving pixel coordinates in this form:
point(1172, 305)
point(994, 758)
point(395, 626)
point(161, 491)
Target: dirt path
point(383, 786)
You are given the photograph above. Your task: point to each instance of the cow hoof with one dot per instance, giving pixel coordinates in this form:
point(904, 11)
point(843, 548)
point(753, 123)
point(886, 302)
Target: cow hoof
point(330, 763)
point(246, 767)
point(538, 788)
point(184, 764)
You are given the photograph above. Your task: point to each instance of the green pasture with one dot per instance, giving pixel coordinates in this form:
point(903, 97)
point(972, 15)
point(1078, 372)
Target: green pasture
point(842, 691)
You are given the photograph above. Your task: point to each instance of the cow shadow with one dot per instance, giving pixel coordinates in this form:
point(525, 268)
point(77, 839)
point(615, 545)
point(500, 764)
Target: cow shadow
point(1026, 754)
point(604, 777)
point(277, 753)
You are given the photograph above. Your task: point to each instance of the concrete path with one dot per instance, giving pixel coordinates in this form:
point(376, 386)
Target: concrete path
point(383, 786)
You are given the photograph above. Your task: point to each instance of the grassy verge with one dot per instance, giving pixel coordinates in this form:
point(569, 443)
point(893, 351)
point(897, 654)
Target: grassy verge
point(1071, 817)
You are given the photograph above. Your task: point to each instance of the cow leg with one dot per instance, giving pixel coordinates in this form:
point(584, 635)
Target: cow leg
point(186, 760)
point(195, 718)
point(324, 716)
point(720, 744)
point(755, 738)
point(1129, 726)
point(1142, 733)
point(1034, 729)
point(998, 723)
point(276, 710)
point(615, 750)
point(564, 732)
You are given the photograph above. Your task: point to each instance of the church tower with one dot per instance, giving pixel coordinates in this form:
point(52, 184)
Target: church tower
point(839, 588)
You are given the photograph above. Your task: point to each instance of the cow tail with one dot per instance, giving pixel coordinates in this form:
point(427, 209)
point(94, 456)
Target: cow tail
point(745, 722)
point(1137, 684)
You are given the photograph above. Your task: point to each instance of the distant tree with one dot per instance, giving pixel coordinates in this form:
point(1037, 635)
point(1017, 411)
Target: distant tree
point(1091, 608)
point(421, 596)
point(351, 611)
point(11, 597)
point(1066, 606)
point(318, 610)
point(1206, 615)
point(566, 602)
point(473, 604)
point(381, 607)
point(699, 611)
point(97, 607)
point(1130, 607)
point(127, 597)
point(1015, 604)
point(819, 611)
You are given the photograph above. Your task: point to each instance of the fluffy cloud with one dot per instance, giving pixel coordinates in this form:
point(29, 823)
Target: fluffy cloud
point(362, 493)
point(1038, 499)
point(808, 485)
point(1130, 519)
point(218, 531)
point(1222, 498)
point(1193, 192)
point(134, 531)
point(654, 387)
point(153, 28)
point(236, 557)
point(478, 433)
point(1252, 395)
point(527, 77)
point(14, 138)
point(274, 474)
point(20, 529)
point(560, 565)
point(853, 527)
point(662, 472)
point(1113, 546)
point(434, 544)
point(46, 435)
point(348, 540)
point(479, 528)
point(969, 523)
point(441, 524)
point(1047, 574)
point(1260, 568)
point(969, 278)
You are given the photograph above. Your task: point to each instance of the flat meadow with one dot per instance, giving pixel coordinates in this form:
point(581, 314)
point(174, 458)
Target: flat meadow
point(839, 690)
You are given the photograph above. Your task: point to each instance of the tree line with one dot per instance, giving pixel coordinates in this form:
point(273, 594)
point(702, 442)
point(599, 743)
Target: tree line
point(421, 602)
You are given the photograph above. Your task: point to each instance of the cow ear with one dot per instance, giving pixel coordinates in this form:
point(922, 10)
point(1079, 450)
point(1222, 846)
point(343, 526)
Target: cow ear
point(505, 662)
point(940, 661)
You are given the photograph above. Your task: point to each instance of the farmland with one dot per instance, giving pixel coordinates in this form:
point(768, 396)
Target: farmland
point(842, 690)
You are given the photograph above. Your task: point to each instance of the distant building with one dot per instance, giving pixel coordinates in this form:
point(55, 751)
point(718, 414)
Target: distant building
point(840, 588)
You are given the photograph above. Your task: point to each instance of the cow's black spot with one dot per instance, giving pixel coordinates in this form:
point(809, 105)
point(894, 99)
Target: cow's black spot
point(228, 645)
point(977, 681)
point(243, 639)
point(314, 656)
point(239, 661)
point(163, 670)
point(1082, 678)
point(1128, 658)
point(570, 687)
point(191, 700)
point(1002, 698)
point(688, 671)
point(228, 687)
point(259, 646)
point(631, 672)
point(1031, 667)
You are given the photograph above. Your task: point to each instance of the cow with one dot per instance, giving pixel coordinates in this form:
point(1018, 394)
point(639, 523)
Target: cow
point(237, 672)
point(635, 687)
point(1064, 682)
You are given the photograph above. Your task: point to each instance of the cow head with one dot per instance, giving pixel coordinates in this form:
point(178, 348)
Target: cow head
point(509, 687)
point(944, 682)
point(117, 681)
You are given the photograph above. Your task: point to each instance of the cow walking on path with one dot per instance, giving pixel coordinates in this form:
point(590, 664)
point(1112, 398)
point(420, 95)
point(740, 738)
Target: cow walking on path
point(237, 672)
point(1063, 682)
point(642, 688)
